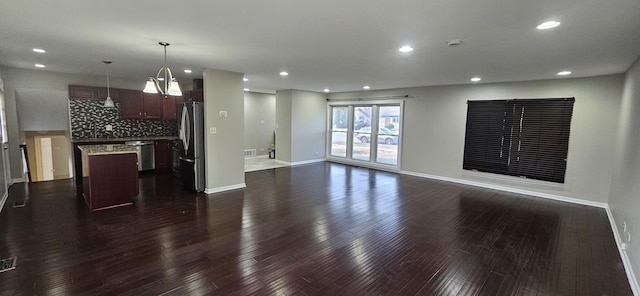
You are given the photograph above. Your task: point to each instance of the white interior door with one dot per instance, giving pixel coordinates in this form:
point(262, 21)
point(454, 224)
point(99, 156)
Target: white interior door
point(46, 157)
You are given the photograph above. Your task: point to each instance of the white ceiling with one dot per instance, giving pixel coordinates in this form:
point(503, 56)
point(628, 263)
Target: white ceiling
point(338, 44)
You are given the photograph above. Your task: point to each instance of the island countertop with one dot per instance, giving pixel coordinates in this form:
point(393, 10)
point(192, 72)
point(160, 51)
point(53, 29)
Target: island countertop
point(107, 149)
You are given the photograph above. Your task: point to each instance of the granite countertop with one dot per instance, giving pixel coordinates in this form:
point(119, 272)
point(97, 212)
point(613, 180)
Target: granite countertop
point(124, 139)
point(107, 149)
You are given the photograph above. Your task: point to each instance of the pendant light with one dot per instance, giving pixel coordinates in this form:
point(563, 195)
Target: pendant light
point(108, 102)
point(171, 86)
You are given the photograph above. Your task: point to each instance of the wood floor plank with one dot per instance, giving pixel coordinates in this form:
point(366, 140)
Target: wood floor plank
point(318, 229)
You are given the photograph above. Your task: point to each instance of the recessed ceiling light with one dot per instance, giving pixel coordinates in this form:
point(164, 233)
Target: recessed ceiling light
point(40, 66)
point(246, 89)
point(245, 79)
point(187, 71)
point(283, 73)
point(476, 79)
point(548, 25)
point(366, 87)
point(564, 73)
point(406, 48)
point(39, 50)
point(326, 90)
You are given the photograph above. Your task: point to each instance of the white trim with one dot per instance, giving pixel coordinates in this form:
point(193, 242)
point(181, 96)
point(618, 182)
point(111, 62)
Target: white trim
point(18, 180)
point(510, 189)
point(4, 200)
point(628, 268)
point(225, 188)
point(365, 164)
point(301, 162)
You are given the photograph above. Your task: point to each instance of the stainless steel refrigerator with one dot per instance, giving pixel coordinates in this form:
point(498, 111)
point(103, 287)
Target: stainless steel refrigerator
point(191, 133)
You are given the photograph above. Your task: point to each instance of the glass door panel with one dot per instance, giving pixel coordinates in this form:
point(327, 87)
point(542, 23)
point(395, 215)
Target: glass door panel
point(362, 133)
point(339, 124)
point(388, 134)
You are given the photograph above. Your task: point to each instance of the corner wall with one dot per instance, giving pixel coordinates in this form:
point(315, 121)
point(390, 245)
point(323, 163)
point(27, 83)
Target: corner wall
point(301, 131)
point(224, 150)
point(624, 201)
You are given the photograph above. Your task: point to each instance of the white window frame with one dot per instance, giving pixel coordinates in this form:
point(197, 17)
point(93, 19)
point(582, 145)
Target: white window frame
point(372, 163)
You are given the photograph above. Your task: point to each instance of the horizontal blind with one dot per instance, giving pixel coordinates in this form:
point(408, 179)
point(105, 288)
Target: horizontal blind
point(527, 138)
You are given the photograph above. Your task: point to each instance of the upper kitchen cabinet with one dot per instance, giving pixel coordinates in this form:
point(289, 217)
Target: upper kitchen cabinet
point(131, 104)
point(135, 104)
point(82, 92)
point(114, 92)
point(196, 95)
point(169, 106)
point(152, 106)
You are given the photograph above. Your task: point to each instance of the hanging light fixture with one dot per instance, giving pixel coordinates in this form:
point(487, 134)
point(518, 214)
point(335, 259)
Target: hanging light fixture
point(171, 86)
point(108, 102)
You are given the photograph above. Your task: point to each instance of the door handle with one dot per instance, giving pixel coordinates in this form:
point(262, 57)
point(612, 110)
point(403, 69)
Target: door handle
point(187, 160)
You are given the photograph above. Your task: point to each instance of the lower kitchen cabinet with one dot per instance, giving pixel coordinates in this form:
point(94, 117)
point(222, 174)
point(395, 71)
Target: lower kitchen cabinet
point(163, 154)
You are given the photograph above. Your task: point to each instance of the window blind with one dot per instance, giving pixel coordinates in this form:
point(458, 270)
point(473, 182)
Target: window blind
point(521, 137)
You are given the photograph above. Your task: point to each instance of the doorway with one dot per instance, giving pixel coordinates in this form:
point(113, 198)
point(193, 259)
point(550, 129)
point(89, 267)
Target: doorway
point(48, 155)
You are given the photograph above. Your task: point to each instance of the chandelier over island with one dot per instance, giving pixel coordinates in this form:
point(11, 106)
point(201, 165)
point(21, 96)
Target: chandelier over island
point(171, 86)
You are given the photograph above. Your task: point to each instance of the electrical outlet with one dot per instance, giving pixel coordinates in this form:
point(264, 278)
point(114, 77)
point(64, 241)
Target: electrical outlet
point(213, 131)
point(624, 226)
point(223, 114)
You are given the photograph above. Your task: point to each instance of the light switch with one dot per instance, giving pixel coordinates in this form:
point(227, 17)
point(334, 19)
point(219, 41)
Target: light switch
point(213, 130)
point(262, 121)
point(276, 125)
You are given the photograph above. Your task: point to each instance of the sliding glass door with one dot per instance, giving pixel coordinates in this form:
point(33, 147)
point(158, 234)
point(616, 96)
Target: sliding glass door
point(366, 132)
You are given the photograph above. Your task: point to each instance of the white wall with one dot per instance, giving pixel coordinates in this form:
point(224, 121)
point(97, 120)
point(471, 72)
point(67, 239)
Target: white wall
point(283, 124)
point(624, 201)
point(308, 126)
point(435, 119)
point(42, 110)
point(224, 151)
point(259, 121)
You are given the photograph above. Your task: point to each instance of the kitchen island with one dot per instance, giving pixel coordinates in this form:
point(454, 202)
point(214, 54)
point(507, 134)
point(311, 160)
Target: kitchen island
point(109, 175)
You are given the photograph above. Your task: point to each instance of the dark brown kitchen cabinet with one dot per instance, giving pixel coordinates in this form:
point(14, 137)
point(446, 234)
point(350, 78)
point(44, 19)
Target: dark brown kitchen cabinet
point(102, 93)
point(138, 105)
point(196, 95)
point(82, 92)
point(152, 106)
point(163, 154)
point(169, 106)
point(131, 104)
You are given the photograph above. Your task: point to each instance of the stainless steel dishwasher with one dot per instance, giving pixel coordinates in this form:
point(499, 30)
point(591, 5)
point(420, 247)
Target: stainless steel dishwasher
point(146, 154)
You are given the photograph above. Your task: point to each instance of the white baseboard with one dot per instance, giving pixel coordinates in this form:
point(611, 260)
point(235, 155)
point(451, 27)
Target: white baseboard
point(18, 180)
point(510, 189)
point(225, 188)
point(628, 268)
point(301, 162)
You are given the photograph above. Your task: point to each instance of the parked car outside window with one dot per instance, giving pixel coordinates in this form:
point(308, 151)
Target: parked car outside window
point(385, 136)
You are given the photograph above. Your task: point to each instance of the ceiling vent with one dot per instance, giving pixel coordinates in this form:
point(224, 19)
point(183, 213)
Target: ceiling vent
point(454, 42)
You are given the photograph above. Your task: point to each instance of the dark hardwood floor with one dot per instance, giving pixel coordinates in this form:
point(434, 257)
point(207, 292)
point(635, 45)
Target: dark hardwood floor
point(319, 229)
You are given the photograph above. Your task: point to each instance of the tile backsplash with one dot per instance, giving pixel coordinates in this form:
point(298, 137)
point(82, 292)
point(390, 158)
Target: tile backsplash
point(89, 119)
